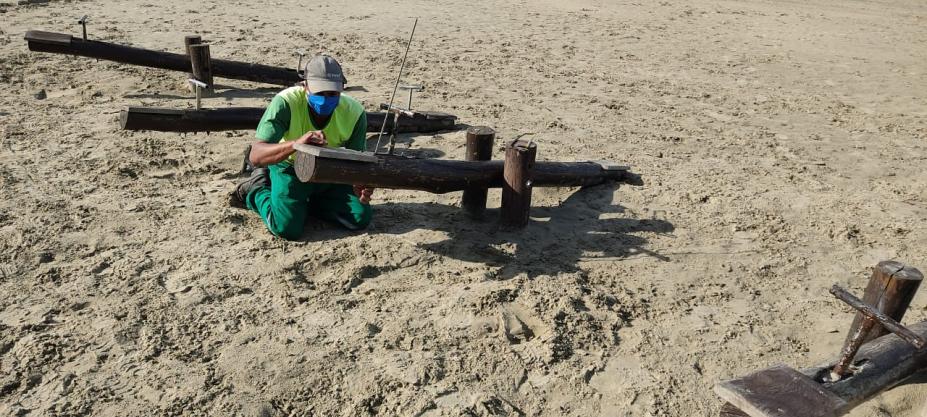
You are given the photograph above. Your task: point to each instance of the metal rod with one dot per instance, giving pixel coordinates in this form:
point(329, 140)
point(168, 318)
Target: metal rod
point(396, 87)
point(850, 348)
point(887, 322)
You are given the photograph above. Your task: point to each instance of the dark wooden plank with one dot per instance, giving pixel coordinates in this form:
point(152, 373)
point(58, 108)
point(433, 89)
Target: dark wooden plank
point(780, 391)
point(247, 118)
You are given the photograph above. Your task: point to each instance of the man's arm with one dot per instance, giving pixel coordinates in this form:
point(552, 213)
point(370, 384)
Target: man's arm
point(274, 123)
point(264, 154)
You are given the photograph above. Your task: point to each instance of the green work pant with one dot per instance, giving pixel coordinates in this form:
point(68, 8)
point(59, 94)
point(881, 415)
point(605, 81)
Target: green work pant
point(286, 203)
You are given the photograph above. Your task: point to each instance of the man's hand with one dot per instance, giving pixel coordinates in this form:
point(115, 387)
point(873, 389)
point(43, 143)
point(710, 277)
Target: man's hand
point(315, 138)
point(363, 192)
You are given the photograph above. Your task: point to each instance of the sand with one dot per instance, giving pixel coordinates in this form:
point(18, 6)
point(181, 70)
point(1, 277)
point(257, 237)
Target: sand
point(782, 144)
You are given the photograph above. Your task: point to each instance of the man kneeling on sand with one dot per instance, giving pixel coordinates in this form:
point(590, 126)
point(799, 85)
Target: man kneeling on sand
point(315, 113)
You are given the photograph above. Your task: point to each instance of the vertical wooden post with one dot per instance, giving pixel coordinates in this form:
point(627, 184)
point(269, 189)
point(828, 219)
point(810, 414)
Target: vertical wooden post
point(890, 290)
point(202, 65)
point(187, 41)
point(191, 40)
point(516, 188)
point(479, 148)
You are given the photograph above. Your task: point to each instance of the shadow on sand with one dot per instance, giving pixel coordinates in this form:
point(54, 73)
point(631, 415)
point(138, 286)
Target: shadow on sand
point(555, 241)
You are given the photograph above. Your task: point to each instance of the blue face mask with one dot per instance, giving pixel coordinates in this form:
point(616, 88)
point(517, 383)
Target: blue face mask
point(323, 105)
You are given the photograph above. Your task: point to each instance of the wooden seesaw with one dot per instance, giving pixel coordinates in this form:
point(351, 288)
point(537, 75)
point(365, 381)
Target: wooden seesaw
point(62, 43)
point(198, 62)
point(247, 118)
point(517, 175)
point(878, 354)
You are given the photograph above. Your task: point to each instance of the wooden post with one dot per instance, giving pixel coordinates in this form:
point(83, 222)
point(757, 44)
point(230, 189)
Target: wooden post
point(191, 40)
point(187, 41)
point(516, 189)
point(479, 148)
point(202, 65)
point(890, 290)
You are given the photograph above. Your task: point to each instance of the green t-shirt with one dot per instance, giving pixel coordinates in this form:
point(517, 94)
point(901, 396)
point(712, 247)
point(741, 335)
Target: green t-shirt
point(276, 121)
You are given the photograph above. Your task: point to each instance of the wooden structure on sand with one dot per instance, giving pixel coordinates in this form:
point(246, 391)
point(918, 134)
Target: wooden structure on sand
point(517, 175)
point(878, 354)
point(247, 118)
point(61, 43)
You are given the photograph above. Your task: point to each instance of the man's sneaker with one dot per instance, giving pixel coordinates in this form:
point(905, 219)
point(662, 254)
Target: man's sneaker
point(260, 177)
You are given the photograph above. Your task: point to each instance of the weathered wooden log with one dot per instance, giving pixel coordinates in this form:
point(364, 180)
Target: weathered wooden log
point(479, 148)
point(201, 64)
point(442, 175)
point(891, 288)
point(61, 43)
point(247, 118)
point(518, 174)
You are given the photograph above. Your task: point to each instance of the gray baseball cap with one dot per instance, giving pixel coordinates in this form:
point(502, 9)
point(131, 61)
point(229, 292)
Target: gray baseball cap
point(323, 73)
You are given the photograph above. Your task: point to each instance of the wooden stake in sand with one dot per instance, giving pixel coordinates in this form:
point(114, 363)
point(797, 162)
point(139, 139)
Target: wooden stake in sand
point(516, 191)
point(479, 148)
point(891, 288)
point(191, 40)
point(201, 63)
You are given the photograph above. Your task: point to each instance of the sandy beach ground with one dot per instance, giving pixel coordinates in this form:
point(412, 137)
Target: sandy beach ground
point(783, 145)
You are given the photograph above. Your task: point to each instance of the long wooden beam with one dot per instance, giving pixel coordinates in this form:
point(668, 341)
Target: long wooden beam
point(61, 43)
point(247, 118)
point(441, 175)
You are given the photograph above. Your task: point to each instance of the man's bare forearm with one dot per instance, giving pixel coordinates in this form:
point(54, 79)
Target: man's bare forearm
point(264, 154)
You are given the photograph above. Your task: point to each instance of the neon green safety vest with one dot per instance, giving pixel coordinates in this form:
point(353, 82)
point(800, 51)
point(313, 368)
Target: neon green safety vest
point(339, 128)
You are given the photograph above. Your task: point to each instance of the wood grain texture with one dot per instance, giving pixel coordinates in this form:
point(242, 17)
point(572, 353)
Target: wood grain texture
point(780, 391)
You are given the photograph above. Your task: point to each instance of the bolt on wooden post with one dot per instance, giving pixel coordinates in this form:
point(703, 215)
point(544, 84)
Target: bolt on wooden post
point(479, 148)
point(891, 288)
point(201, 65)
point(516, 188)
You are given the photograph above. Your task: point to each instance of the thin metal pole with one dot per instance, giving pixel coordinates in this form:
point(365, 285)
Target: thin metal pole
point(395, 88)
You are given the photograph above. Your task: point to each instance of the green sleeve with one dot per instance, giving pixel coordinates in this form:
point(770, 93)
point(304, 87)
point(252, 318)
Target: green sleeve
point(275, 122)
point(358, 141)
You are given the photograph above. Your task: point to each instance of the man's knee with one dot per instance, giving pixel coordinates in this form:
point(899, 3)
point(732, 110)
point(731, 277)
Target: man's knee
point(289, 230)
